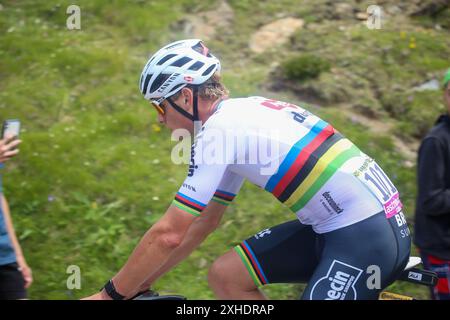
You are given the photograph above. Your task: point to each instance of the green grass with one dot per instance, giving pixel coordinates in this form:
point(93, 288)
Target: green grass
point(94, 172)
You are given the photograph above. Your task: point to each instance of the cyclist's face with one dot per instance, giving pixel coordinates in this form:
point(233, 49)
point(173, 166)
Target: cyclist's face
point(171, 118)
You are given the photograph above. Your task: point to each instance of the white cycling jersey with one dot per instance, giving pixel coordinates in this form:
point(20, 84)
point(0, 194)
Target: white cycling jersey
point(301, 159)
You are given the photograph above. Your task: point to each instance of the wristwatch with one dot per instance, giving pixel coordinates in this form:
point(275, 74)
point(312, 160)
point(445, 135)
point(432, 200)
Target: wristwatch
point(112, 292)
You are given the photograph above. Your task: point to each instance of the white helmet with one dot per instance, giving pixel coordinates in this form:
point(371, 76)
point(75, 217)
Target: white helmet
point(176, 65)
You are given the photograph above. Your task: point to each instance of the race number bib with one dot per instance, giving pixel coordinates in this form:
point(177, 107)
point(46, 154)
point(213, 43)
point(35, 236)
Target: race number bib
point(374, 178)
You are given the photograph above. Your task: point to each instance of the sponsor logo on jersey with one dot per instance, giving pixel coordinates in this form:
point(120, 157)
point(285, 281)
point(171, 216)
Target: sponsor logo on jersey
point(338, 283)
point(400, 219)
point(192, 165)
point(332, 203)
point(363, 167)
point(393, 206)
point(402, 224)
point(300, 117)
point(189, 187)
point(263, 233)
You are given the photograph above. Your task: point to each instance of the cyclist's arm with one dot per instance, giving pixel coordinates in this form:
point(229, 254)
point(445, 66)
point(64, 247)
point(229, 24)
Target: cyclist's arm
point(196, 234)
point(206, 223)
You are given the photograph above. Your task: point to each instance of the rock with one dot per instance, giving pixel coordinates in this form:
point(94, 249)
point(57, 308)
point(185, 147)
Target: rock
point(205, 25)
point(362, 15)
point(274, 34)
point(429, 85)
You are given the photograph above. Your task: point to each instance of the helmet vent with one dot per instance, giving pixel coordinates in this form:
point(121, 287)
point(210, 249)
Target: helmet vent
point(159, 81)
point(208, 71)
point(147, 79)
point(181, 62)
point(200, 48)
point(160, 62)
point(196, 66)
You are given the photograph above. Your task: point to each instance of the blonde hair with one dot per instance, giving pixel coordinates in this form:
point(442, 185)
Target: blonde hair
point(211, 89)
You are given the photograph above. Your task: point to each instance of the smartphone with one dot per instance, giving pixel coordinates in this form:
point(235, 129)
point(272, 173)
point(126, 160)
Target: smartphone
point(11, 127)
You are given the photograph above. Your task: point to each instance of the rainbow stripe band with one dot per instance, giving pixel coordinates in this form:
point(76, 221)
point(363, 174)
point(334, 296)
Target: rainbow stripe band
point(223, 197)
point(188, 204)
point(309, 164)
point(251, 263)
point(292, 163)
point(325, 168)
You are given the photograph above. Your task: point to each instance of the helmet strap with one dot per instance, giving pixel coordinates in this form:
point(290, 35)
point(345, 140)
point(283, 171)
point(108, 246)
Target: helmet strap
point(192, 117)
point(195, 106)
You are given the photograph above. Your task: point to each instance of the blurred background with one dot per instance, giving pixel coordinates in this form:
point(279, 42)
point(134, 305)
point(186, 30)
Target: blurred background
point(94, 170)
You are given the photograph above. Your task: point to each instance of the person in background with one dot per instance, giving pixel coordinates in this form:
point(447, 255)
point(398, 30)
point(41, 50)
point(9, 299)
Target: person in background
point(432, 225)
point(15, 274)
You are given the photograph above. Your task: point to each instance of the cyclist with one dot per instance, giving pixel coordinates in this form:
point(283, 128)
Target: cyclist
point(350, 239)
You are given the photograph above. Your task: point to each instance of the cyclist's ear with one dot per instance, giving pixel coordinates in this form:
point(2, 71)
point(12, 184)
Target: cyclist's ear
point(187, 96)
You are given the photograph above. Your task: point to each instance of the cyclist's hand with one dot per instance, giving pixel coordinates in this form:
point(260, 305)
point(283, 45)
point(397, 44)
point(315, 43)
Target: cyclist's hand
point(98, 296)
point(8, 148)
point(144, 287)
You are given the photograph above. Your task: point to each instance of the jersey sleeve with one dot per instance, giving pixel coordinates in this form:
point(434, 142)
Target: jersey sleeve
point(228, 188)
point(206, 181)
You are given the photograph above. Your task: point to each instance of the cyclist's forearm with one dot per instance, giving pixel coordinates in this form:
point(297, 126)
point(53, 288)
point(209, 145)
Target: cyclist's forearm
point(196, 234)
point(153, 250)
point(146, 256)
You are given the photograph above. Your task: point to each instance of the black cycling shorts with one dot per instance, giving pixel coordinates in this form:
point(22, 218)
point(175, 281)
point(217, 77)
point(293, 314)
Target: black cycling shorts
point(354, 262)
point(12, 284)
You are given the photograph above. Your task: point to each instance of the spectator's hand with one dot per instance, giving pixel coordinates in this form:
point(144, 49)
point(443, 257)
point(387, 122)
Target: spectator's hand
point(26, 273)
point(7, 148)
